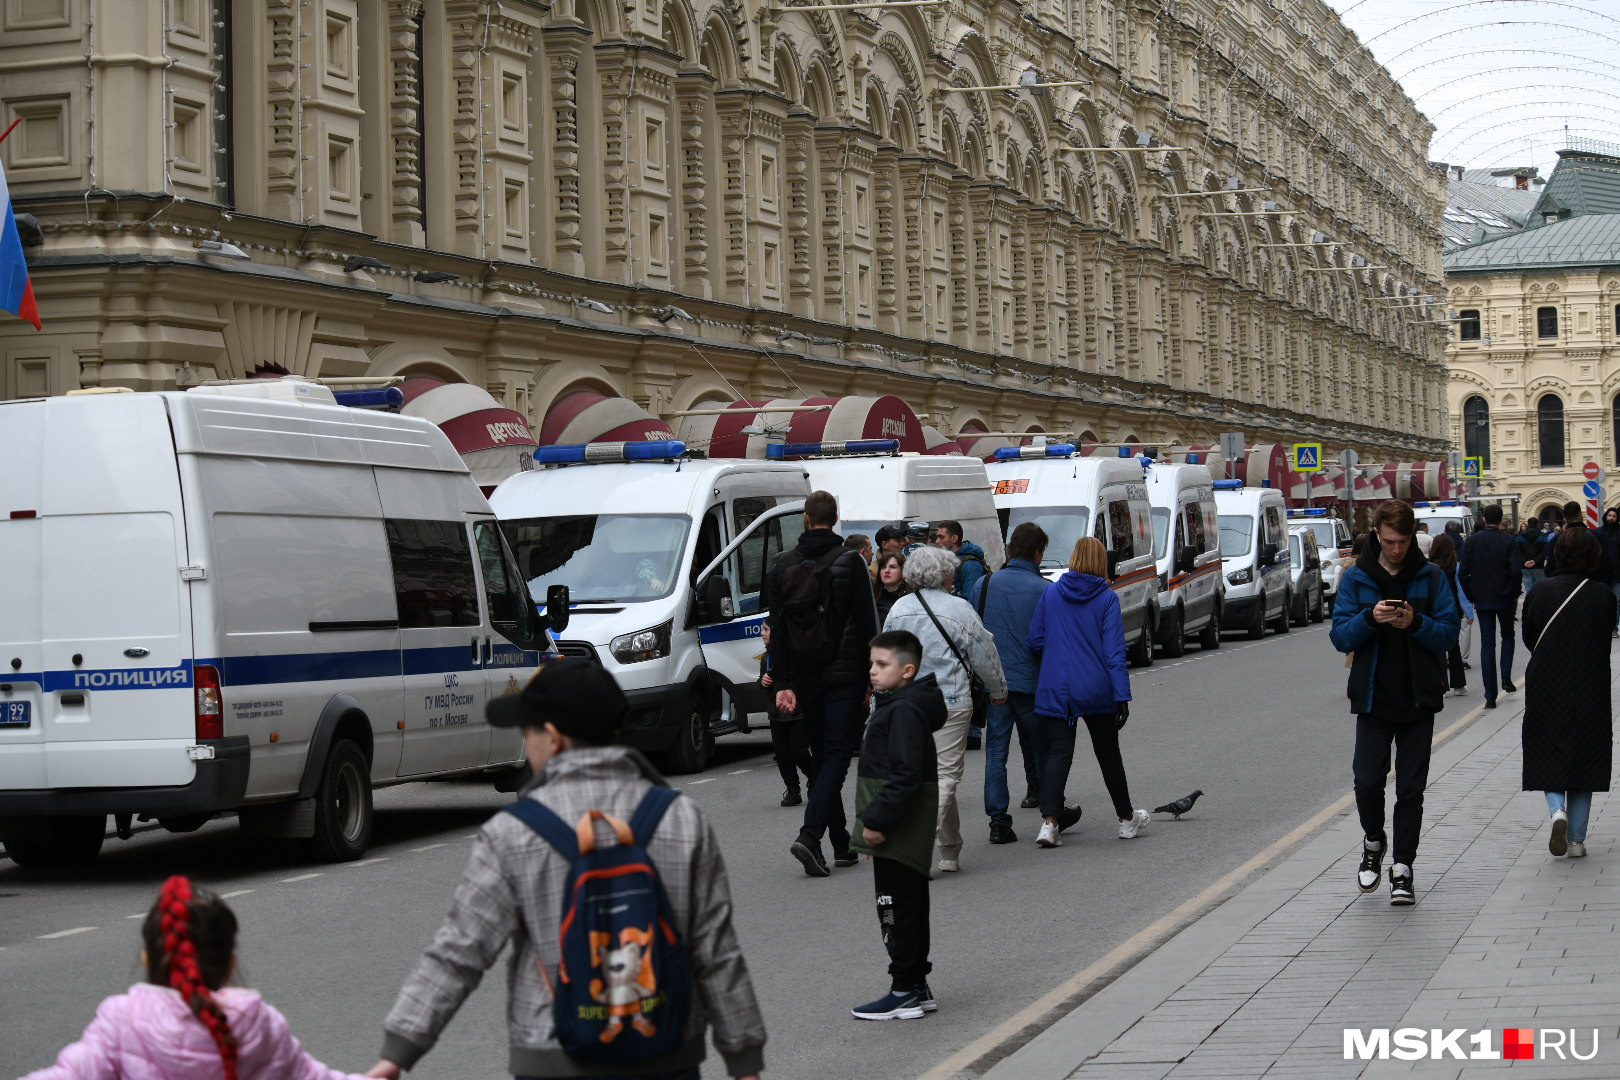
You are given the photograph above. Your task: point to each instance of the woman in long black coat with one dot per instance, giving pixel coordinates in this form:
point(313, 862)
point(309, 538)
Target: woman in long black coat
point(1568, 733)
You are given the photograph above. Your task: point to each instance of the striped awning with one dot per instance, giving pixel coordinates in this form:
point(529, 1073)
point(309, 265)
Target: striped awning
point(494, 441)
point(841, 419)
point(585, 416)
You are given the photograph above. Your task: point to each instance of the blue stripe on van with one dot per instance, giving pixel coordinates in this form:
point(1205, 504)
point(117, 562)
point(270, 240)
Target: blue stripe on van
point(735, 630)
point(294, 667)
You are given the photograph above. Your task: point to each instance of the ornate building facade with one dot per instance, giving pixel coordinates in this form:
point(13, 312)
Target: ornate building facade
point(690, 201)
point(1535, 345)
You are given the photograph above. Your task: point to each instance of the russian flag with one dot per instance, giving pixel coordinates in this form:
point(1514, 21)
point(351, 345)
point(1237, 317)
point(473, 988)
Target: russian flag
point(16, 291)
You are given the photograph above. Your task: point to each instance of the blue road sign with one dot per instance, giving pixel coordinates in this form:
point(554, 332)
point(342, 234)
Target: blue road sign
point(1472, 467)
point(1592, 489)
point(1308, 457)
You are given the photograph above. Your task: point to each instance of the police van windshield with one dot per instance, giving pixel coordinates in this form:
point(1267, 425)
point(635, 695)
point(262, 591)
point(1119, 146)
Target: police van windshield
point(1161, 530)
point(1064, 526)
point(602, 558)
point(1324, 534)
point(1237, 535)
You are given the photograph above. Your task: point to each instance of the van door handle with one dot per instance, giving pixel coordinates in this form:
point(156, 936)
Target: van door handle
point(475, 651)
point(489, 652)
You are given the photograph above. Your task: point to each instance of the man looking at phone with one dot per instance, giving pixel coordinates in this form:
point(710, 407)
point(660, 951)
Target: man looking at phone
point(1396, 617)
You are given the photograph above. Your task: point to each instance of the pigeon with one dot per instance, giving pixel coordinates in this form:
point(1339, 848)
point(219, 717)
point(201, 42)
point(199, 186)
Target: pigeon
point(1180, 806)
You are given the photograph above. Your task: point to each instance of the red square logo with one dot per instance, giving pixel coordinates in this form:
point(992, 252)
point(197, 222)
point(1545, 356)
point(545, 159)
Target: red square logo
point(1518, 1043)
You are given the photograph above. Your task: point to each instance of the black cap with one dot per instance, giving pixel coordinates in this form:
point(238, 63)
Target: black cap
point(575, 696)
point(889, 532)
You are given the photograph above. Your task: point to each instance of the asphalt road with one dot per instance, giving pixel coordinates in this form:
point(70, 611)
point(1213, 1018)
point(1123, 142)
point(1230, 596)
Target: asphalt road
point(1261, 727)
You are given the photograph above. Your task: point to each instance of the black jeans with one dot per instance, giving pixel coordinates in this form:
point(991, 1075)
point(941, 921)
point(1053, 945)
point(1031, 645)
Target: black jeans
point(834, 720)
point(1060, 736)
point(791, 746)
point(1490, 622)
point(1412, 741)
point(902, 906)
point(1457, 677)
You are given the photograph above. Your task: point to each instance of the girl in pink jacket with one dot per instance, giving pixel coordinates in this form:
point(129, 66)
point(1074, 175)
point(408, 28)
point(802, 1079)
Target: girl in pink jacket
point(180, 1024)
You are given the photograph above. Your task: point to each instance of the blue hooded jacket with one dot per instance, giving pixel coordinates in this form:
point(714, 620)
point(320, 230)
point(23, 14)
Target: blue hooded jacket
point(1079, 635)
point(1008, 611)
point(971, 571)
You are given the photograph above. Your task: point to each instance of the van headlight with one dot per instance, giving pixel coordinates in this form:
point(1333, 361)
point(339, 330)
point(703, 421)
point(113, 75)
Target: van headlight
point(642, 645)
point(1240, 577)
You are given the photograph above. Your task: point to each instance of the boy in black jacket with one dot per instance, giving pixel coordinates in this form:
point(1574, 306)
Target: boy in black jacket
point(896, 800)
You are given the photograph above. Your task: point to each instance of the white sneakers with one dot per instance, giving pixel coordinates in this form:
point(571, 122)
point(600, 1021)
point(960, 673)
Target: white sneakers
point(1577, 850)
point(1558, 842)
point(1460, 692)
point(1134, 824)
point(1049, 835)
point(950, 866)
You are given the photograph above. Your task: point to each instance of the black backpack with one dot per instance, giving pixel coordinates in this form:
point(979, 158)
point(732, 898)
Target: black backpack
point(805, 618)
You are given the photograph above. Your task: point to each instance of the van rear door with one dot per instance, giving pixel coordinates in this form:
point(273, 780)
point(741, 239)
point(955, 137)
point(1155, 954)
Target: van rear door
point(117, 708)
point(732, 645)
point(22, 724)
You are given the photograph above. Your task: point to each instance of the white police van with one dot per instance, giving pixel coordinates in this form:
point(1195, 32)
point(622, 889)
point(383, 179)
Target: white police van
point(1187, 552)
point(1069, 497)
point(665, 554)
point(1333, 541)
point(874, 491)
point(1254, 558)
point(1440, 513)
point(243, 598)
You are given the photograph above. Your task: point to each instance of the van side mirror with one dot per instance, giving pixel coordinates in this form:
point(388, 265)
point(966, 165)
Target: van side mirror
point(1113, 565)
point(1186, 560)
point(557, 604)
point(1268, 554)
point(714, 601)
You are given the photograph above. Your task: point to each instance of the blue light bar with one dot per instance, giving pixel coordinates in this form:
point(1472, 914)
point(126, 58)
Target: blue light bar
point(1195, 459)
point(1124, 451)
point(1147, 462)
point(780, 451)
point(1308, 511)
point(379, 397)
point(599, 453)
point(1016, 453)
point(1228, 485)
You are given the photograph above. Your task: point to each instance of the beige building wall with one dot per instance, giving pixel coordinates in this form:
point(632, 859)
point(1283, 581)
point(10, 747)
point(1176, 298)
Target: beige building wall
point(1519, 374)
point(827, 196)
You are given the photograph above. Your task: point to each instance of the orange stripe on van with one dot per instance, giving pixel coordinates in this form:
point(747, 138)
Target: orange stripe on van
point(1135, 576)
point(1212, 568)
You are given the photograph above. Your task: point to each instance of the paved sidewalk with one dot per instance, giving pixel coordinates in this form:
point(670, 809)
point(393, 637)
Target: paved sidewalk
point(1503, 936)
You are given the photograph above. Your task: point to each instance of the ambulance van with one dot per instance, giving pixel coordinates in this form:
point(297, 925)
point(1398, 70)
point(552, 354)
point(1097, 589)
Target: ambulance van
point(1187, 551)
point(243, 598)
point(874, 491)
point(1070, 497)
point(1254, 558)
point(665, 555)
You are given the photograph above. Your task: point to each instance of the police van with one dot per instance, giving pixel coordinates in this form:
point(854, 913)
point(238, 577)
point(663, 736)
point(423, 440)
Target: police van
point(1254, 558)
point(1069, 497)
point(1187, 553)
point(243, 598)
point(1437, 514)
point(665, 555)
point(1333, 541)
point(874, 491)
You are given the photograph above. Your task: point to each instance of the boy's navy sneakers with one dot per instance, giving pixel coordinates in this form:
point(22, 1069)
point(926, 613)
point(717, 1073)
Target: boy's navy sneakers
point(895, 1005)
point(808, 852)
point(925, 998)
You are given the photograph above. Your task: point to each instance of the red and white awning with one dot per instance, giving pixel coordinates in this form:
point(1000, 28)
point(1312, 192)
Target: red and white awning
point(585, 416)
point(844, 419)
point(936, 444)
point(494, 441)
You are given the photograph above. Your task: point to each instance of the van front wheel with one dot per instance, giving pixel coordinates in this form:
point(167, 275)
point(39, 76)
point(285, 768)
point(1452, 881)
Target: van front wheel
point(694, 743)
point(343, 812)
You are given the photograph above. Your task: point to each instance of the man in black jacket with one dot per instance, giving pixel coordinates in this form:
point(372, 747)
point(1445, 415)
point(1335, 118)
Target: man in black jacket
point(1489, 572)
point(828, 691)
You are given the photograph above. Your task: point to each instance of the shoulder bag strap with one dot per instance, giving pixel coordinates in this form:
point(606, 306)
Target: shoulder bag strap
point(1560, 610)
point(984, 589)
point(938, 626)
point(650, 812)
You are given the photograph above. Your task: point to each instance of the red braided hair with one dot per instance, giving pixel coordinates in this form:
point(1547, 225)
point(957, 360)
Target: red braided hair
point(173, 956)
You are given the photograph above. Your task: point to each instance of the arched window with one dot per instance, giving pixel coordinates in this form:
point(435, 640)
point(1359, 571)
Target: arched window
point(1477, 429)
point(1550, 431)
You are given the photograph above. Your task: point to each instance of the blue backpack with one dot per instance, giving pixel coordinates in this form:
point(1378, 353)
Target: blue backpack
point(624, 987)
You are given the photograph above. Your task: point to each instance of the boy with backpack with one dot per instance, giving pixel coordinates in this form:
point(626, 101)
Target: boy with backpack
point(896, 800)
point(600, 845)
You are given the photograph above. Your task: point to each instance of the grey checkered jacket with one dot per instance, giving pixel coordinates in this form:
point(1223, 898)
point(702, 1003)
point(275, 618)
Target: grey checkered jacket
point(512, 892)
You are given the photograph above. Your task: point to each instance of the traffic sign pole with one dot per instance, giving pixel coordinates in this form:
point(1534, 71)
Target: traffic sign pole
point(1593, 490)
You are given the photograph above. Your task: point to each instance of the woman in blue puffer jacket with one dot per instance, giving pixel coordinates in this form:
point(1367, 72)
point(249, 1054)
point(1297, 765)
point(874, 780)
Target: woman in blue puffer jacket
point(1079, 636)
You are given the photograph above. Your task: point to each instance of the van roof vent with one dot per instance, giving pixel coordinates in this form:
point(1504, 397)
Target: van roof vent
point(286, 388)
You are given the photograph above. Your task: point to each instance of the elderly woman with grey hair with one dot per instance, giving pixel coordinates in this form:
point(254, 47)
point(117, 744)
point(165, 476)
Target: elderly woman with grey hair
point(955, 645)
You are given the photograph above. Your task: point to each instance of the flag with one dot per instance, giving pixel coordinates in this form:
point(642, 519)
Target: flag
point(16, 291)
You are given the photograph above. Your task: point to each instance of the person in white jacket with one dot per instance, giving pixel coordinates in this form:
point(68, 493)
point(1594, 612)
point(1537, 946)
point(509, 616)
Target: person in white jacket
point(931, 612)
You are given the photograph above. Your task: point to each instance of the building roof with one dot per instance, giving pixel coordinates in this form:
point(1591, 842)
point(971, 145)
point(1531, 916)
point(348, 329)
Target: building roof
point(1583, 182)
point(1488, 205)
point(1584, 241)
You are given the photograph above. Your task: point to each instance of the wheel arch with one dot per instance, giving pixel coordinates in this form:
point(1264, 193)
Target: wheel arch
point(343, 718)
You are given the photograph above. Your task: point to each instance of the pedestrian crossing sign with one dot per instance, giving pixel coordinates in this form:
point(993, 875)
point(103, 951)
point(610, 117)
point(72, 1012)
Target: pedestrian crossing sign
point(1472, 467)
point(1308, 457)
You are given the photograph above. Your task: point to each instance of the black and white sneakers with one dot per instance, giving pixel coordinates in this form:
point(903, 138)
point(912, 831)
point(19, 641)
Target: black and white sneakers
point(1372, 864)
point(1400, 885)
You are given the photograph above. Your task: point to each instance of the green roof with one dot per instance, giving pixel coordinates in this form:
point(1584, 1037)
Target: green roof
point(1587, 241)
point(1583, 182)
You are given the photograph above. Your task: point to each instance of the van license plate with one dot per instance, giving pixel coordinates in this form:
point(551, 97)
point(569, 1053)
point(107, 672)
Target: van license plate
point(16, 713)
